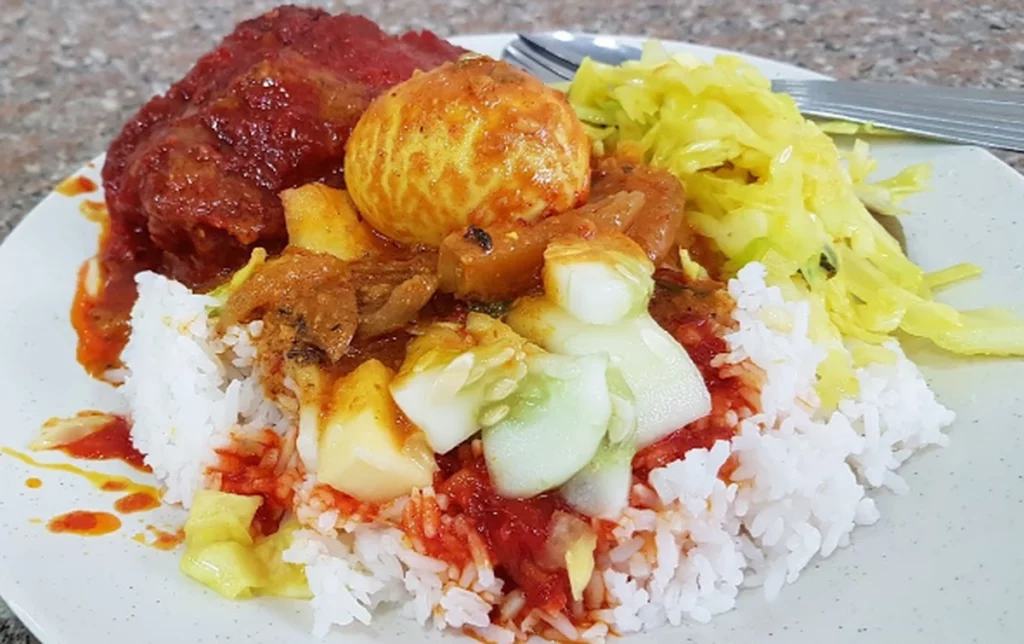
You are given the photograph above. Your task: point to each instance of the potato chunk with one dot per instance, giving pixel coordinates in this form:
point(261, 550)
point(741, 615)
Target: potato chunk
point(367, 448)
point(325, 220)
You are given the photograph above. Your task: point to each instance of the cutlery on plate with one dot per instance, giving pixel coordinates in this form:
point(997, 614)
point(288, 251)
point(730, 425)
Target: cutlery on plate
point(987, 117)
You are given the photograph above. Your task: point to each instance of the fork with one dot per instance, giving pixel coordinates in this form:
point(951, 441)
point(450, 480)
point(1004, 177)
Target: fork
point(985, 117)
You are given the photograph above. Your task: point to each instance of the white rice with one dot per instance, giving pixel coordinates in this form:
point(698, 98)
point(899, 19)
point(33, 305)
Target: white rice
point(188, 389)
point(802, 481)
point(369, 565)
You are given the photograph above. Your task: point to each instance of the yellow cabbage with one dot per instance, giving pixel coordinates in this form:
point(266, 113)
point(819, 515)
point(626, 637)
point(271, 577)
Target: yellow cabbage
point(952, 275)
point(224, 291)
point(765, 184)
point(221, 553)
point(851, 128)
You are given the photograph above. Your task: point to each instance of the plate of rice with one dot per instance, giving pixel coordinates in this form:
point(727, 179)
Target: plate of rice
point(375, 338)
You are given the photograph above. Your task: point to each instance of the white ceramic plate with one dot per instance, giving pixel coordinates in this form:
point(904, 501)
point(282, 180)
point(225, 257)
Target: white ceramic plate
point(943, 565)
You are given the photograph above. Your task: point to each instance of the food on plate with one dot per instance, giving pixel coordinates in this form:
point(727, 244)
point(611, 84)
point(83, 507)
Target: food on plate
point(324, 220)
point(583, 315)
point(522, 363)
point(367, 448)
point(192, 181)
point(499, 262)
point(766, 185)
point(473, 142)
point(221, 553)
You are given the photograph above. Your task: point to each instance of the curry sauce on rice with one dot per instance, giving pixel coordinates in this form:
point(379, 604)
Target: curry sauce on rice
point(521, 362)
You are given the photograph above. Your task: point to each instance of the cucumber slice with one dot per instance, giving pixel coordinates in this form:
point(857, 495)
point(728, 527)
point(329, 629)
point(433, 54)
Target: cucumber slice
point(550, 428)
point(601, 489)
point(450, 376)
point(599, 281)
point(668, 389)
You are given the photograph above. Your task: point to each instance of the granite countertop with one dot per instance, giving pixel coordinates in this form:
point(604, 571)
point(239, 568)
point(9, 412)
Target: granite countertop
point(73, 72)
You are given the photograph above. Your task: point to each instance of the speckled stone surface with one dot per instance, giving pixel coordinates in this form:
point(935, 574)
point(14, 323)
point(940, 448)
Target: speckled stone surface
point(72, 72)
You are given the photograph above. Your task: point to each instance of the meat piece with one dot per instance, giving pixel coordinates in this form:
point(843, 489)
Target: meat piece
point(505, 260)
point(401, 307)
point(390, 293)
point(192, 180)
point(307, 302)
point(659, 224)
point(678, 299)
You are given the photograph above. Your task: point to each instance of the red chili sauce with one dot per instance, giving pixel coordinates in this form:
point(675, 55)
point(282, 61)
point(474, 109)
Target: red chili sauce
point(252, 470)
point(136, 502)
point(696, 314)
point(514, 530)
point(112, 442)
point(166, 540)
point(100, 319)
point(83, 523)
point(76, 185)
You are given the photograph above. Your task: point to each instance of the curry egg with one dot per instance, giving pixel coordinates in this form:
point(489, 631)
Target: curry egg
point(472, 142)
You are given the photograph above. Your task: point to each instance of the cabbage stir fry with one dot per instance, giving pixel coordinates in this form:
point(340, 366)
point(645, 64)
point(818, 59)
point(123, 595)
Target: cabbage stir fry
point(765, 184)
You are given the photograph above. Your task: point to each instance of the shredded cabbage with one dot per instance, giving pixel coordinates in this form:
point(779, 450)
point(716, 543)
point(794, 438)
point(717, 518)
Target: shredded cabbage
point(851, 128)
point(224, 291)
point(952, 275)
point(765, 184)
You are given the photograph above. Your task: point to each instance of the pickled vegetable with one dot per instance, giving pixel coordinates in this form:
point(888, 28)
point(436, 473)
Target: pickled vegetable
point(765, 184)
point(550, 428)
point(221, 554)
point(451, 374)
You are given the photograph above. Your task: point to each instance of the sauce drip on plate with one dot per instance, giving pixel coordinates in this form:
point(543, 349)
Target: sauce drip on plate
point(162, 540)
point(136, 502)
point(95, 211)
point(103, 300)
point(84, 523)
point(105, 482)
point(112, 442)
point(33, 483)
point(75, 185)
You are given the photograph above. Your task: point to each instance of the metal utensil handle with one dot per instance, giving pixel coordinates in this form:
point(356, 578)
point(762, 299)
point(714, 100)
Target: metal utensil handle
point(952, 116)
point(990, 118)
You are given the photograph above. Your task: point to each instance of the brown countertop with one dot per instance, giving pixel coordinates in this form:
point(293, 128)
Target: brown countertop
point(73, 72)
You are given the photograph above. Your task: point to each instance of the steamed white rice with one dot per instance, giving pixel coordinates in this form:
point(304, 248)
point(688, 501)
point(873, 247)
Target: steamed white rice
point(188, 388)
point(803, 480)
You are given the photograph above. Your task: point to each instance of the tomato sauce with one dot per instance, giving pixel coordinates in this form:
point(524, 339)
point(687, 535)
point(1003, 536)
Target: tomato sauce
point(162, 540)
point(112, 442)
point(84, 523)
point(104, 295)
point(136, 502)
point(76, 185)
point(694, 313)
point(251, 469)
point(514, 530)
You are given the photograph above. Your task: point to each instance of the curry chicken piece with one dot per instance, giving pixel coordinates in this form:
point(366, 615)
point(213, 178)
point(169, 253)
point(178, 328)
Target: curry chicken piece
point(504, 261)
point(319, 309)
point(192, 181)
point(307, 302)
point(391, 292)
